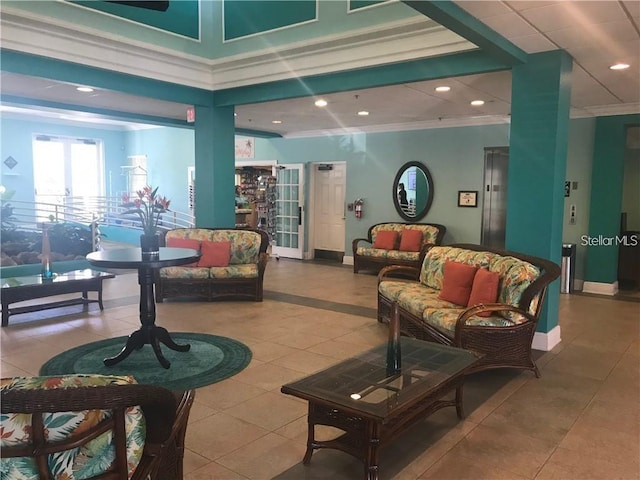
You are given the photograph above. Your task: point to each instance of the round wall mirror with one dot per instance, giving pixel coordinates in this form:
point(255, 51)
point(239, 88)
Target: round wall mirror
point(413, 191)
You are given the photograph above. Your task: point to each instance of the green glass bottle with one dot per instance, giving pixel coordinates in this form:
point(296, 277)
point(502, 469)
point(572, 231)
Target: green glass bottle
point(47, 272)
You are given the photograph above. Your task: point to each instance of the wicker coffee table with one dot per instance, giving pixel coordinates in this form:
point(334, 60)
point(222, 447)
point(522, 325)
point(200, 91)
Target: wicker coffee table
point(373, 405)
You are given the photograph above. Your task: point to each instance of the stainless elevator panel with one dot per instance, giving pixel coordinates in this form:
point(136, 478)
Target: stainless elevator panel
point(494, 210)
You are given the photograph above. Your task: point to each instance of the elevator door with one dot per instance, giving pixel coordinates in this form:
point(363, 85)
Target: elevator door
point(494, 213)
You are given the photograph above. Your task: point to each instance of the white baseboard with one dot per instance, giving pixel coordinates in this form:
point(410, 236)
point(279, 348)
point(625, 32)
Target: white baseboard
point(578, 284)
point(546, 341)
point(600, 288)
point(347, 260)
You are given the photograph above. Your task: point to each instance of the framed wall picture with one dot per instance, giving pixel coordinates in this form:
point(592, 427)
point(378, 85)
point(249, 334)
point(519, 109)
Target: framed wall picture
point(467, 198)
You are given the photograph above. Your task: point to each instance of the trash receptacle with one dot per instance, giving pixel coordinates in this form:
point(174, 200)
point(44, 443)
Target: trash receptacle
point(568, 267)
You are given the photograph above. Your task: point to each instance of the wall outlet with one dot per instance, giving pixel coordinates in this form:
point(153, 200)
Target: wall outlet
point(572, 215)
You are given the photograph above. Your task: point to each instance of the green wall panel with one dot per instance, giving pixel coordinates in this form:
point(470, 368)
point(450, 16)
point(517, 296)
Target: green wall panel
point(248, 17)
point(606, 197)
point(182, 17)
point(357, 4)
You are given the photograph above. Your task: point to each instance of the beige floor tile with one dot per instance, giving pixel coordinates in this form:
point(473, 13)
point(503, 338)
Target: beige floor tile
point(455, 467)
point(568, 464)
point(584, 361)
point(220, 434)
point(270, 410)
point(267, 376)
point(227, 393)
point(213, 471)
point(526, 454)
point(264, 458)
point(305, 362)
point(268, 351)
point(338, 349)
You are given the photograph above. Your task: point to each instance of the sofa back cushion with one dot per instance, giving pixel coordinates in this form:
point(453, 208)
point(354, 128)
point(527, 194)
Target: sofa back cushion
point(386, 240)
point(429, 232)
point(245, 244)
point(515, 275)
point(215, 254)
point(457, 282)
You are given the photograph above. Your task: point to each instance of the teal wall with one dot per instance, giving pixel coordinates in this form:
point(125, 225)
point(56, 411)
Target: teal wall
point(631, 188)
point(169, 151)
point(16, 136)
point(373, 161)
point(606, 196)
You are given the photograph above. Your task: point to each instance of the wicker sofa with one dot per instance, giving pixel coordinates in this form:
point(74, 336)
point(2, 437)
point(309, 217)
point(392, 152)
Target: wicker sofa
point(367, 256)
point(501, 330)
point(240, 277)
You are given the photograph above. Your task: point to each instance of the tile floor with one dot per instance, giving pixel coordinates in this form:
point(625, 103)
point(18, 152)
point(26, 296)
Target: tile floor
point(581, 420)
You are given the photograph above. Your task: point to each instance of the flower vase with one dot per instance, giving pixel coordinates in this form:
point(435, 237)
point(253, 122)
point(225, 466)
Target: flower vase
point(150, 244)
point(46, 271)
point(394, 354)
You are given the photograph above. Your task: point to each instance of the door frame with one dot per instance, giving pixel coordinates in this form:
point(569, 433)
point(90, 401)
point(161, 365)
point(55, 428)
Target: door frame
point(311, 207)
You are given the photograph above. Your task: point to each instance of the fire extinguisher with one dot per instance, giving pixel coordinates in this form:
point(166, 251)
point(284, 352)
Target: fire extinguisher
point(358, 207)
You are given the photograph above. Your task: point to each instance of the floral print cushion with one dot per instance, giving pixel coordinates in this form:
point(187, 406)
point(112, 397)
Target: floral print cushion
point(250, 270)
point(245, 244)
point(515, 277)
point(389, 254)
point(75, 464)
point(391, 289)
point(418, 298)
point(184, 272)
point(429, 232)
point(432, 271)
point(445, 319)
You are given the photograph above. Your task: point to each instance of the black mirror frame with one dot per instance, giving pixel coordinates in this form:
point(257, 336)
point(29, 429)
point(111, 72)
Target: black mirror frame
point(421, 213)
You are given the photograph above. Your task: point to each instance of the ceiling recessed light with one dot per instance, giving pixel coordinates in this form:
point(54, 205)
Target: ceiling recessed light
point(276, 121)
point(619, 66)
point(363, 113)
point(84, 89)
point(477, 103)
point(321, 103)
point(443, 88)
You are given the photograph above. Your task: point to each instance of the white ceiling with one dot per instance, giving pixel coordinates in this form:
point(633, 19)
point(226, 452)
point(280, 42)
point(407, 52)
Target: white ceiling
point(596, 33)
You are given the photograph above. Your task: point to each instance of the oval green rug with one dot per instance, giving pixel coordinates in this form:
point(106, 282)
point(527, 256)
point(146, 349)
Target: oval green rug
point(211, 358)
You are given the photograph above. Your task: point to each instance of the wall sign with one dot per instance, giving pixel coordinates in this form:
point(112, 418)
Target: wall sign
point(245, 147)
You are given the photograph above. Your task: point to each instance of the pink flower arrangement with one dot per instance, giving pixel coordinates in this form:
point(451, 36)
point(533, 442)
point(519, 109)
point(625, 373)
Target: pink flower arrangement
point(148, 205)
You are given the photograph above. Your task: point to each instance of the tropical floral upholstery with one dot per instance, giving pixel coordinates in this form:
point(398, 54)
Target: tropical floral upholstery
point(245, 254)
point(79, 463)
point(243, 277)
point(388, 254)
point(429, 232)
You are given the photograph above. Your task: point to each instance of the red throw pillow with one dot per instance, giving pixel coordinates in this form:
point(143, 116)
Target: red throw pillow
point(386, 239)
point(215, 254)
point(457, 282)
point(411, 240)
point(484, 289)
point(184, 243)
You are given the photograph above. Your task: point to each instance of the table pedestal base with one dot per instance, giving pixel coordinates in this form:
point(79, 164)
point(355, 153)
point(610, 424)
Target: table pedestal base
point(152, 335)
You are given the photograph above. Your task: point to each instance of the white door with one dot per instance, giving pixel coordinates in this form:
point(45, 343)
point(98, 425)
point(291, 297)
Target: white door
point(289, 236)
point(328, 205)
point(64, 168)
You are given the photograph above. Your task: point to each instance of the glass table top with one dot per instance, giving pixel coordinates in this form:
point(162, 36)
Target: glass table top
point(57, 278)
point(363, 384)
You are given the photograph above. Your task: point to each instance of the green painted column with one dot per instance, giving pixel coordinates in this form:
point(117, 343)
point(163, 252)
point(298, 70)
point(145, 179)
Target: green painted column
point(606, 197)
point(540, 99)
point(215, 167)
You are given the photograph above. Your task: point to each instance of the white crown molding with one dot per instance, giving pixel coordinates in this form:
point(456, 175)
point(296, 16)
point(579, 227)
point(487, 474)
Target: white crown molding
point(606, 110)
point(408, 39)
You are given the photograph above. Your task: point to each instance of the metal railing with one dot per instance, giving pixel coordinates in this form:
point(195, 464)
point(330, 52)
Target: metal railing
point(93, 212)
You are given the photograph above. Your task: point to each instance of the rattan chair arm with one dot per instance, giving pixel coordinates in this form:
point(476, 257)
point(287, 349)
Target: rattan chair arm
point(355, 242)
point(461, 322)
point(406, 271)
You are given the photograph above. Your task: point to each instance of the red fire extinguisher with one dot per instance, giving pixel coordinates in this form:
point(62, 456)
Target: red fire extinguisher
point(358, 207)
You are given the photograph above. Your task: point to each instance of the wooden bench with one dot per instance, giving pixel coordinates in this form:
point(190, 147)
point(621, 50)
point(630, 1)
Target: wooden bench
point(29, 287)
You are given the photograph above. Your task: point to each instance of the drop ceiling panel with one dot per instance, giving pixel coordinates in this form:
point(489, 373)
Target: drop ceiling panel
point(534, 43)
point(569, 14)
point(484, 9)
point(510, 25)
point(587, 91)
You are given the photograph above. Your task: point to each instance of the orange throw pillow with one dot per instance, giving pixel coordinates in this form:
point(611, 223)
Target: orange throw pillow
point(386, 239)
point(215, 254)
point(484, 289)
point(184, 243)
point(411, 240)
point(457, 282)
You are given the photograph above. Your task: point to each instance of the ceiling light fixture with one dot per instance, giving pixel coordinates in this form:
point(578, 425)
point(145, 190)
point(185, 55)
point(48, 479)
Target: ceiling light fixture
point(443, 88)
point(363, 113)
point(619, 66)
point(84, 89)
point(477, 103)
point(321, 103)
point(276, 121)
